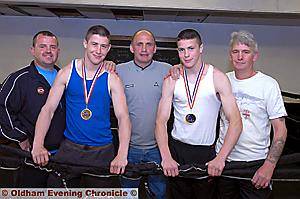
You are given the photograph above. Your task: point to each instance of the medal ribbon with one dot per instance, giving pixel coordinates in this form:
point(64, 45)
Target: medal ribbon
point(87, 95)
point(191, 99)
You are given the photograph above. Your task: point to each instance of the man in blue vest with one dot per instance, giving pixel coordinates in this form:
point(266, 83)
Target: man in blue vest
point(88, 89)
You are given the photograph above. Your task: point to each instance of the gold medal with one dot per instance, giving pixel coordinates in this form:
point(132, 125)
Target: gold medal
point(86, 114)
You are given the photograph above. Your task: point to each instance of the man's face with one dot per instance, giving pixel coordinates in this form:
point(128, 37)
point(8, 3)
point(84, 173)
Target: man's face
point(45, 51)
point(96, 48)
point(242, 57)
point(189, 52)
point(143, 47)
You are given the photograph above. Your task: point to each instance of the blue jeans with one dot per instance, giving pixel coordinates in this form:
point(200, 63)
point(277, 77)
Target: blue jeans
point(156, 183)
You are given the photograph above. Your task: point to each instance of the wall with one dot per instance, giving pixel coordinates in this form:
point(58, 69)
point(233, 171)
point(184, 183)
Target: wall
point(279, 45)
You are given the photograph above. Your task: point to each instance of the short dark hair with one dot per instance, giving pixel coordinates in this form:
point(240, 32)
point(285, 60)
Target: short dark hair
point(189, 34)
point(44, 33)
point(97, 30)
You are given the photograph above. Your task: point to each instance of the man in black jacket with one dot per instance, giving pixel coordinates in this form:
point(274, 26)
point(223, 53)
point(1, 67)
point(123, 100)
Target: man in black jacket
point(22, 95)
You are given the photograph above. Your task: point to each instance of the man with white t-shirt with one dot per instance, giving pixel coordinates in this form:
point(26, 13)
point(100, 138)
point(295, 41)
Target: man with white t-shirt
point(260, 103)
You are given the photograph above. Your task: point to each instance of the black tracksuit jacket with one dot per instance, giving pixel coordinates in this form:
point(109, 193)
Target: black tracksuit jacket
point(22, 95)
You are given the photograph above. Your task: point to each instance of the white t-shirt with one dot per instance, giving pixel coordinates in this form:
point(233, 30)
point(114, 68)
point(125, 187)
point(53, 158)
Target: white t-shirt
point(259, 100)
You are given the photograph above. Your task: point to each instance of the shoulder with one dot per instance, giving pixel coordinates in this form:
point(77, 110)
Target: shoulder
point(114, 77)
point(124, 66)
point(269, 85)
point(19, 77)
point(162, 65)
point(19, 74)
point(218, 74)
point(169, 82)
point(266, 78)
point(221, 81)
point(64, 72)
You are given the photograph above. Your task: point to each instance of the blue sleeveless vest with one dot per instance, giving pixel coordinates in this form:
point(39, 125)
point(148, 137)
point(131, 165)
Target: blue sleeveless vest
point(95, 131)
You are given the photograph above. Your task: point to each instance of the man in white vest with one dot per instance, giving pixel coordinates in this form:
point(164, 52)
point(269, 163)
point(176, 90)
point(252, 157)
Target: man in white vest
point(197, 96)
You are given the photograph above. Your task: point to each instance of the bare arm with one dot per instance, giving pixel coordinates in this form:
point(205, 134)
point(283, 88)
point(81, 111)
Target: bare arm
point(121, 111)
point(264, 174)
point(169, 165)
point(39, 153)
point(223, 87)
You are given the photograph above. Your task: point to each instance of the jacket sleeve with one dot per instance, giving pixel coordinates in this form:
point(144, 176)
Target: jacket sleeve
point(10, 106)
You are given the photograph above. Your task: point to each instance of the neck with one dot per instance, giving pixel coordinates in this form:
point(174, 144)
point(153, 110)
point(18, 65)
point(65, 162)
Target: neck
point(89, 66)
point(43, 66)
point(194, 70)
point(244, 74)
point(142, 65)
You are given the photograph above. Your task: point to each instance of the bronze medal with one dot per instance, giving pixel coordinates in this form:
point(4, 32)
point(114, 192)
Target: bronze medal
point(86, 114)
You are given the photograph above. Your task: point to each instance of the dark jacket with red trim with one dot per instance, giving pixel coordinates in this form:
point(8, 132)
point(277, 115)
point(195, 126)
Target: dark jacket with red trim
point(22, 95)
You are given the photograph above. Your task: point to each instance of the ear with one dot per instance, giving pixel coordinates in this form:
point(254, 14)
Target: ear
point(201, 48)
point(109, 47)
point(31, 49)
point(154, 49)
point(58, 50)
point(256, 56)
point(84, 43)
point(131, 48)
point(229, 54)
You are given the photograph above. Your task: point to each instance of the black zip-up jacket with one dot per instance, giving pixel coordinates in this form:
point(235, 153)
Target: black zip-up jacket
point(22, 95)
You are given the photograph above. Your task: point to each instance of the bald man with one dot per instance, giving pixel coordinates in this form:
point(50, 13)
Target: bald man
point(142, 79)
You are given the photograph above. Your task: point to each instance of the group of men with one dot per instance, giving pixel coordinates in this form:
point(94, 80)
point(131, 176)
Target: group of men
point(71, 121)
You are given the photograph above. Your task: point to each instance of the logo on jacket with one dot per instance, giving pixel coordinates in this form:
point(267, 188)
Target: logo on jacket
point(40, 90)
point(129, 85)
point(156, 84)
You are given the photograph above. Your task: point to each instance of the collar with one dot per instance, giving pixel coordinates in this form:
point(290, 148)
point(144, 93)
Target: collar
point(34, 72)
point(142, 67)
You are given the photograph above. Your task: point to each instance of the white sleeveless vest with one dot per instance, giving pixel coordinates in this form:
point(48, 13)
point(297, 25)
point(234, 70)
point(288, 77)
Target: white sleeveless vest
point(206, 109)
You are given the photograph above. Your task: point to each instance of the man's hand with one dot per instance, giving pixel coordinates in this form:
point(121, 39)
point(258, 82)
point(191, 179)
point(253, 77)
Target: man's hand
point(170, 167)
point(175, 71)
point(215, 166)
point(117, 166)
point(25, 145)
point(40, 155)
point(263, 175)
point(109, 66)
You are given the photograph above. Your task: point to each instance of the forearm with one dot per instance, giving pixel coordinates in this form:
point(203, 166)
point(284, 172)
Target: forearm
point(276, 149)
point(279, 138)
point(42, 126)
point(231, 138)
point(124, 135)
point(161, 136)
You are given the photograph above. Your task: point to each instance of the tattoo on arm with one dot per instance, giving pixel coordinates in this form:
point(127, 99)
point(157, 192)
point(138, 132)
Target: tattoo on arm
point(276, 150)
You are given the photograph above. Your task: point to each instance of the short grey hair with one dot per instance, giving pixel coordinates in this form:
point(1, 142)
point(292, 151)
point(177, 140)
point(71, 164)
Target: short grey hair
point(244, 37)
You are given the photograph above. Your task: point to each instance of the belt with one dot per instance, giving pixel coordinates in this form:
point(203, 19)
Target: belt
point(87, 147)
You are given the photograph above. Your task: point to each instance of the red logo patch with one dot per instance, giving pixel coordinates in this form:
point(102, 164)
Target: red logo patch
point(40, 90)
